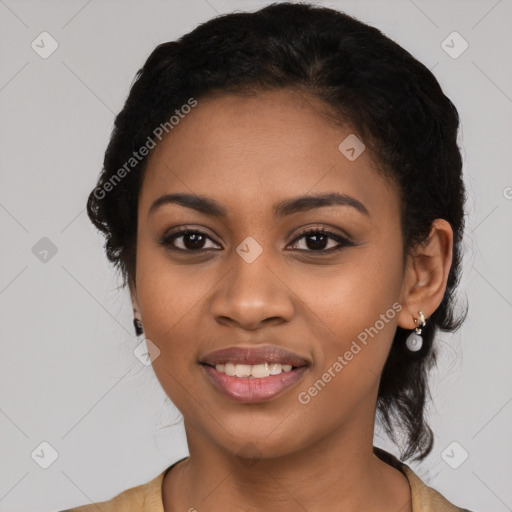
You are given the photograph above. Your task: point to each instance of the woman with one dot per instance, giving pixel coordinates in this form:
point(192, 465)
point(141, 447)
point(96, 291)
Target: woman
point(283, 195)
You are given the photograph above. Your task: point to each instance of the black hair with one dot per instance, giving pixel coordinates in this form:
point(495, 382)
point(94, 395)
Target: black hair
point(394, 103)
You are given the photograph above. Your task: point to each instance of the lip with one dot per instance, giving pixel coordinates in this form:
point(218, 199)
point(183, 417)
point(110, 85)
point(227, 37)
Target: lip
point(254, 355)
point(249, 391)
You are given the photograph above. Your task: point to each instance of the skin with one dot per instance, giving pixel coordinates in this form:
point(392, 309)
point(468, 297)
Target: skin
point(249, 153)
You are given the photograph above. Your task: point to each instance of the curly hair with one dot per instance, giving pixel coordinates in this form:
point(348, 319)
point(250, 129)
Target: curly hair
point(363, 78)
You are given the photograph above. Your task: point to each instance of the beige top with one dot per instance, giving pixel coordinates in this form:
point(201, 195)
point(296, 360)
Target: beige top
point(148, 497)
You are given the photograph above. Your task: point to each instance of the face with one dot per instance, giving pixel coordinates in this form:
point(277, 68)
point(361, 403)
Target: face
point(258, 273)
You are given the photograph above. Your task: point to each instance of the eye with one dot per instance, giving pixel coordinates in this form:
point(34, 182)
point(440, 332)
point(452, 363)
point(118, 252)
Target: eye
point(319, 238)
point(193, 240)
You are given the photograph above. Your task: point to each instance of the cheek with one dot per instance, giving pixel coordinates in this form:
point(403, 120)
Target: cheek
point(170, 296)
point(348, 362)
point(166, 291)
point(353, 295)
point(355, 309)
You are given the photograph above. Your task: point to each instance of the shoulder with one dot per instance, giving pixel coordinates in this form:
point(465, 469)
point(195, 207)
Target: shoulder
point(142, 498)
point(425, 498)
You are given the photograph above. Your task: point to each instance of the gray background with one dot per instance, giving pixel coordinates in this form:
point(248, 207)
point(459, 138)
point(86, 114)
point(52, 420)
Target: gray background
point(68, 375)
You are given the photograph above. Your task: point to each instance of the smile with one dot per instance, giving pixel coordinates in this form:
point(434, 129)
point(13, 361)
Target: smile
point(245, 387)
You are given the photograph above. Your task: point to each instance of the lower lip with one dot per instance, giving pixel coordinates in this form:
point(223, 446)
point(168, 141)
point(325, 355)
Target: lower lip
point(245, 390)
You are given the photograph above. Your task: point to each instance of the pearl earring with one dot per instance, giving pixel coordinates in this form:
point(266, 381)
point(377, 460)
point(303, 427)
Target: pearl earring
point(414, 341)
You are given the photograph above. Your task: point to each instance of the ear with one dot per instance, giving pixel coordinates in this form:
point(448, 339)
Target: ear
point(426, 274)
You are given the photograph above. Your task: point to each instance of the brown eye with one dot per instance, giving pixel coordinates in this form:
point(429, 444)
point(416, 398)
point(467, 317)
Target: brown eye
point(316, 240)
point(192, 240)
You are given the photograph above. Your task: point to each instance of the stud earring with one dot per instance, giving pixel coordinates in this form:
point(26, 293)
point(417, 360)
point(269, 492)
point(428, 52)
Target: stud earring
point(137, 324)
point(414, 341)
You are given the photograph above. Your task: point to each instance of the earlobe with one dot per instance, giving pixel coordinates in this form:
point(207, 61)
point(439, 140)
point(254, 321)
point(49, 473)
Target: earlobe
point(137, 325)
point(426, 275)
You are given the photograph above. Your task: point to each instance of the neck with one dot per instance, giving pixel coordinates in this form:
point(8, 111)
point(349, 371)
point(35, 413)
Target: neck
point(337, 472)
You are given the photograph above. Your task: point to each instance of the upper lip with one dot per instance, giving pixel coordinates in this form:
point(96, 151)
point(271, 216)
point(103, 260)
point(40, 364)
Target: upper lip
point(253, 355)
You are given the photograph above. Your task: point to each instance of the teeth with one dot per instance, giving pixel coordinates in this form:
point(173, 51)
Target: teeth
point(254, 371)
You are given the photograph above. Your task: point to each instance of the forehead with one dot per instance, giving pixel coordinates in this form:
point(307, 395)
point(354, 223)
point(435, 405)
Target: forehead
point(272, 145)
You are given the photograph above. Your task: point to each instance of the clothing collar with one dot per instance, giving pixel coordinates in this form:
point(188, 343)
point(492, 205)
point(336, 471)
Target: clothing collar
point(424, 498)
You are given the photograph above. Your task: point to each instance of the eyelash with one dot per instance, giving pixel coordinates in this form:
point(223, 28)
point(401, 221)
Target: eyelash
point(166, 240)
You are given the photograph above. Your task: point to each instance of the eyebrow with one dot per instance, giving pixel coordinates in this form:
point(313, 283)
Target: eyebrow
point(211, 207)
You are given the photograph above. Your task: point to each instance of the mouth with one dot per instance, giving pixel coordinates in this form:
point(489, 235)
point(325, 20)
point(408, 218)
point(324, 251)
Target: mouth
point(251, 389)
point(253, 374)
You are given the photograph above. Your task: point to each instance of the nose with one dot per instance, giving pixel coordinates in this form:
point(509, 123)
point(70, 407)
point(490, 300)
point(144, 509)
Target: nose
point(253, 295)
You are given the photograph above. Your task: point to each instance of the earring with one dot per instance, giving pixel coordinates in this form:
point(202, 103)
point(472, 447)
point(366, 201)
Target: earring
point(414, 341)
point(137, 324)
